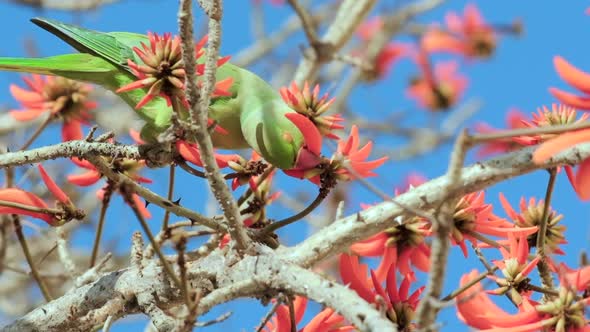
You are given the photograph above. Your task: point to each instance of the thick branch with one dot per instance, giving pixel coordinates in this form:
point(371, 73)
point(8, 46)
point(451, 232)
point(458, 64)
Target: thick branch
point(80, 149)
point(199, 101)
point(253, 276)
point(339, 235)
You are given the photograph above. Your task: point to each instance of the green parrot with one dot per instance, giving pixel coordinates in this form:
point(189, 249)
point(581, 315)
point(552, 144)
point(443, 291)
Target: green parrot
point(254, 114)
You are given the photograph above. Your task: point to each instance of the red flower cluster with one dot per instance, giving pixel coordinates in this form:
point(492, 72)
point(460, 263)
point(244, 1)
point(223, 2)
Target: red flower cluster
point(162, 71)
point(60, 97)
point(348, 162)
point(18, 201)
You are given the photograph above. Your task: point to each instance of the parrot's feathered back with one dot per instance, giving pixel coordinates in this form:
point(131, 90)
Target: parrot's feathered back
point(253, 115)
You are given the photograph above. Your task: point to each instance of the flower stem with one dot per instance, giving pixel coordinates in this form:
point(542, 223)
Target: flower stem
point(103, 210)
point(542, 266)
point(157, 249)
point(485, 239)
point(37, 133)
point(18, 229)
point(287, 221)
point(468, 285)
point(191, 170)
point(171, 177)
point(293, 323)
point(543, 290)
point(268, 316)
point(30, 208)
point(261, 179)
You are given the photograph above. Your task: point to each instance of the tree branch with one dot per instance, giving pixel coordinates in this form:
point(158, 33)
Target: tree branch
point(199, 101)
point(339, 235)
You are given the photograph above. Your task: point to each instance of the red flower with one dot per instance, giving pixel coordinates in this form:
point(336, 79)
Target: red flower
point(514, 120)
point(476, 309)
point(310, 165)
point(326, 321)
point(401, 305)
point(515, 267)
point(400, 245)
point(576, 78)
point(557, 116)
point(531, 215)
point(63, 203)
point(125, 166)
point(60, 97)
point(308, 103)
point(190, 152)
point(473, 216)
point(469, 35)
point(162, 71)
point(578, 279)
point(388, 55)
point(440, 90)
point(580, 181)
point(561, 313)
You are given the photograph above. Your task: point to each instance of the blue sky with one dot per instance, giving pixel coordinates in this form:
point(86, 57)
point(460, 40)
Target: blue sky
point(518, 75)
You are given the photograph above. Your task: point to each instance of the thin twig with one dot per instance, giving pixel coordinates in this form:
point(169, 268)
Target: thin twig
point(30, 208)
point(542, 265)
point(306, 22)
point(199, 102)
point(150, 196)
point(170, 196)
point(108, 192)
point(558, 129)
point(292, 321)
point(157, 249)
point(214, 321)
point(289, 220)
point(18, 229)
point(269, 315)
point(37, 132)
point(468, 285)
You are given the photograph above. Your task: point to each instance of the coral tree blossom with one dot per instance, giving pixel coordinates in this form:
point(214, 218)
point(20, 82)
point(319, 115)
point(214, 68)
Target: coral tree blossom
point(468, 35)
point(162, 71)
point(531, 216)
point(575, 77)
point(349, 161)
point(31, 205)
point(60, 97)
point(580, 179)
point(560, 313)
point(307, 102)
point(515, 119)
point(326, 321)
point(401, 245)
point(438, 90)
point(515, 267)
point(400, 305)
point(473, 219)
point(388, 55)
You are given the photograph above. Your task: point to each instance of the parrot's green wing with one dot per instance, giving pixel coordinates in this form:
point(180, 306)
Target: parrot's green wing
point(89, 68)
point(97, 43)
point(253, 114)
point(67, 65)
